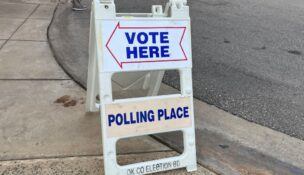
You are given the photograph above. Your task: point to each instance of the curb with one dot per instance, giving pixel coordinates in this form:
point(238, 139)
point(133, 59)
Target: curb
point(237, 146)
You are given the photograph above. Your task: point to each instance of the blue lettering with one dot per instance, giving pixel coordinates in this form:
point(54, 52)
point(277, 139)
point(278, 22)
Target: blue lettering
point(143, 116)
point(130, 38)
point(143, 52)
point(142, 37)
point(186, 111)
point(160, 114)
point(147, 116)
point(131, 118)
point(164, 37)
point(126, 120)
point(119, 119)
point(166, 116)
point(153, 34)
point(132, 52)
point(173, 113)
point(179, 112)
point(164, 50)
point(154, 50)
point(111, 119)
point(151, 116)
point(137, 117)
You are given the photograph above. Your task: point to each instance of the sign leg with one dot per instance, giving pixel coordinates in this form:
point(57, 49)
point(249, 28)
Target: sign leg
point(155, 82)
point(109, 144)
point(189, 133)
point(92, 80)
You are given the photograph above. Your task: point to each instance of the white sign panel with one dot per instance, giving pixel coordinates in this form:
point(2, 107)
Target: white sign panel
point(150, 116)
point(146, 45)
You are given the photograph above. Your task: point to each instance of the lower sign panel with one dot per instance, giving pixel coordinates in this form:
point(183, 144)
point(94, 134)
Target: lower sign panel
point(150, 116)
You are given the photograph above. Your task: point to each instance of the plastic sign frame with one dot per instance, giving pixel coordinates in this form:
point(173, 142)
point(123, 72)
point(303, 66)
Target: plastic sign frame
point(149, 35)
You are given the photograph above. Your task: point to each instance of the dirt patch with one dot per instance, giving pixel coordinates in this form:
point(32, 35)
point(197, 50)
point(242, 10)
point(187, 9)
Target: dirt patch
point(69, 101)
point(63, 99)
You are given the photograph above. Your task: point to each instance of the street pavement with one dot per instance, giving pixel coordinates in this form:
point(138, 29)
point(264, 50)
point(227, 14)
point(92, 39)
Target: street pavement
point(248, 60)
point(44, 128)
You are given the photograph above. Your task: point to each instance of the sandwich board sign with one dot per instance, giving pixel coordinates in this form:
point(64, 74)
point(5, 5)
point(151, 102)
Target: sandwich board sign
point(131, 42)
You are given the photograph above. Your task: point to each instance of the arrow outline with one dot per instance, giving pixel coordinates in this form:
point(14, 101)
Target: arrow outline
point(150, 61)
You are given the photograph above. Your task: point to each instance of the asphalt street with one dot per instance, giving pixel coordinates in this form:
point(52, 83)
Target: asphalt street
point(248, 60)
point(247, 56)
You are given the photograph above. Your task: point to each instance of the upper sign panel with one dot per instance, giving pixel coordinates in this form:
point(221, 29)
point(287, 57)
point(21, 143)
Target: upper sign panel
point(132, 45)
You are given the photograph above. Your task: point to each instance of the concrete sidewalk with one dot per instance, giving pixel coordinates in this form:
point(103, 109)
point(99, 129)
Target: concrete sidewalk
point(43, 125)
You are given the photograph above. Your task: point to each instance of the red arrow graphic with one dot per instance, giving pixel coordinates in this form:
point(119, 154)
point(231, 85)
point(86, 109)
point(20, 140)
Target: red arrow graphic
point(120, 63)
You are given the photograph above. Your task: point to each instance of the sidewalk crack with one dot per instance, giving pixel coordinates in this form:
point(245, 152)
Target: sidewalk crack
point(19, 26)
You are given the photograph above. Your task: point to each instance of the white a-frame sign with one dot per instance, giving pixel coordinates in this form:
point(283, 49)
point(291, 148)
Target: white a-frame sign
point(132, 42)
